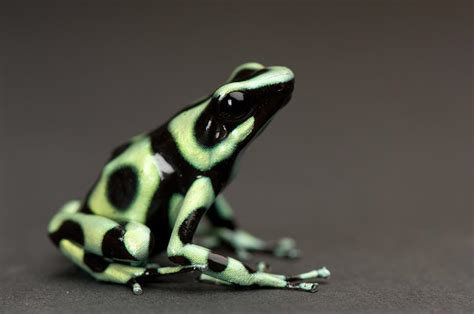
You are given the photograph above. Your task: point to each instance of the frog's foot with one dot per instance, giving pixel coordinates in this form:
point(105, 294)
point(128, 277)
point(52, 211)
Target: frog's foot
point(285, 247)
point(298, 282)
point(243, 243)
point(295, 282)
point(152, 274)
point(302, 286)
point(120, 256)
point(134, 276)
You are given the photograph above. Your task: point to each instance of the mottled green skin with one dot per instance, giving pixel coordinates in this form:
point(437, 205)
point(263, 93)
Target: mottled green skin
point(112, 233)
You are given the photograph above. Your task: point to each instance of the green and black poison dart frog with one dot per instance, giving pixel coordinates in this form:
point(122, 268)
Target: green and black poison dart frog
point(156, 188)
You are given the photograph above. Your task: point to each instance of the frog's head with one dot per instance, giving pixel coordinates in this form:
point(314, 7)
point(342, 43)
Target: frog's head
point(235, 113)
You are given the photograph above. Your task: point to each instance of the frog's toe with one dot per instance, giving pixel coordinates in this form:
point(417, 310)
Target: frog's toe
point(263, 267)
point(304, 286)
point(286, 247)
point(243, 254)
point(136, 288)
point(322, 273)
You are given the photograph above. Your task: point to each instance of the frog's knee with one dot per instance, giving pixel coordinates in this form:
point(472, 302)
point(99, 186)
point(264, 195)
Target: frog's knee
point(175, 253)
point(67, 209)
point(138, 240)
point(71, 207)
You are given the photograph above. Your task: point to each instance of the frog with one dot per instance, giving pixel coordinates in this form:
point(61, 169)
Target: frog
point(158, 187)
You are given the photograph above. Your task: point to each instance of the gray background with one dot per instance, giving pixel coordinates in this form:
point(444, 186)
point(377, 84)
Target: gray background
point(369, 168)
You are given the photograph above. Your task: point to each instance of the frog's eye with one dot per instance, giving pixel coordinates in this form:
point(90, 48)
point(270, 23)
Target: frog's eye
point(234, 106)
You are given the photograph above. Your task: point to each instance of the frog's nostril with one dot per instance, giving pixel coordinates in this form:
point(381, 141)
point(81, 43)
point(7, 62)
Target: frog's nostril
point(286, 87)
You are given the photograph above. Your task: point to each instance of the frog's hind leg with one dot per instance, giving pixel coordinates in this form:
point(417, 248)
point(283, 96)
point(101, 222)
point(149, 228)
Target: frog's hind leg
point(108, 250)
point(105, 270)
point(123, 241)
point(225, 231)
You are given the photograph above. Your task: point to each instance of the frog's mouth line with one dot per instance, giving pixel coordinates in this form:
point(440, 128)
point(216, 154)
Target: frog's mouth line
point(270, 118)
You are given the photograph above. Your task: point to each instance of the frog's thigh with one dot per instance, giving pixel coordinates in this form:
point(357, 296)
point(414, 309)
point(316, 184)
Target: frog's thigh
point(99, 267)
point(104, 270)
point(128, 241)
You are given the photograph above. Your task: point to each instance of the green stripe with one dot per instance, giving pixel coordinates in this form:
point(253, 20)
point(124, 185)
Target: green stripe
point(200, 157)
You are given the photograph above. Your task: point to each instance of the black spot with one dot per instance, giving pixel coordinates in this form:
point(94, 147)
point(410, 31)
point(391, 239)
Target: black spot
point(113, 245)
point(189, 225)
point(69, 230)
point(247, 73)
point(95, 263)
point(180, 260)
point(163, 143)
point(217, 263)
point(217, 220)
point(122, 187)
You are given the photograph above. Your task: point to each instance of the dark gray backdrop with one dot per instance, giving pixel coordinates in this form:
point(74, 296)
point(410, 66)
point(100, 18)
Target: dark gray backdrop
point(369, 168)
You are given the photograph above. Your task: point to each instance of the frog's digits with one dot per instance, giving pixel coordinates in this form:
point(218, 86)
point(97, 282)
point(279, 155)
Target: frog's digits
point(154, 190)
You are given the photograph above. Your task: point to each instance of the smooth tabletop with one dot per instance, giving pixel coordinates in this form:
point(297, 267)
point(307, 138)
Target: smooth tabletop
point(369, 168)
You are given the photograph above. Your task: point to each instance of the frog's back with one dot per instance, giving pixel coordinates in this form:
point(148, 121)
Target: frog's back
point(127, 185)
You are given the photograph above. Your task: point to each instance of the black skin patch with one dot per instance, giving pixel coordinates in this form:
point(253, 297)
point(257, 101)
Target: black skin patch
point(180, 260)
point(246, 74)
point(96, 263)
point(113, 245)
point(189, 225)
point(69, 230)
point(158, 216)
point(163, 143)
point(217, 263)
point(122, 187)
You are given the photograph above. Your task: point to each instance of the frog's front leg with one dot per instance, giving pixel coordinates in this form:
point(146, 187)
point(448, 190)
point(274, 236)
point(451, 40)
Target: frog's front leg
point(182, 251)
point(106, 249)
point(226, 231)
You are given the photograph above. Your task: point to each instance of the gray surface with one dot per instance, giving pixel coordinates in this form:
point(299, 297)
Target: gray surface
point(369, 168)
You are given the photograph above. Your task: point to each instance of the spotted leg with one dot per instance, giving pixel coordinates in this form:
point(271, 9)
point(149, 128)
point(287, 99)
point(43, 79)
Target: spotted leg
point(108, 250)
point(182, 251)
point(226, 232)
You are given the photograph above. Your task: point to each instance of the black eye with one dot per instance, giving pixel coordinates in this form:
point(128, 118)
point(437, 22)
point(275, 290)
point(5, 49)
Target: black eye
point(234, 106)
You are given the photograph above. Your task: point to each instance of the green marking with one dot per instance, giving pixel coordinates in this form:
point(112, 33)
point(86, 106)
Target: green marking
point(67, 209)
point(204, 158)
point(241, 239)
point(210, 279)
point(223, 207)
point(200, 194)
point(136, 240)
point(139, 156)
point(249, 65)
point(174, 207)
point(275, 75)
